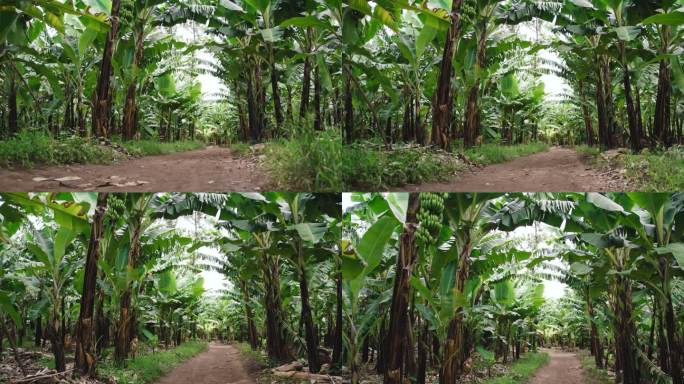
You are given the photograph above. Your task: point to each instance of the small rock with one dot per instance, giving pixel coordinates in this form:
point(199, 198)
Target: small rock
point(68, 178)
point(40, 179)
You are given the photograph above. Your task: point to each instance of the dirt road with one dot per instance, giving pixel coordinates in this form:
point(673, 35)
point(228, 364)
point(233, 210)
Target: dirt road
point(204, 170)
point(556, 170)
point(219, 364)
point(563, 368)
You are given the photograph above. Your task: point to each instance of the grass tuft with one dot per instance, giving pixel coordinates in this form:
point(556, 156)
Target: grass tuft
point(596, 375)
point(149, 367)
point(30, 147)
point(153, 147)
point(366, 168)
point(309, 161)
point(522, 370)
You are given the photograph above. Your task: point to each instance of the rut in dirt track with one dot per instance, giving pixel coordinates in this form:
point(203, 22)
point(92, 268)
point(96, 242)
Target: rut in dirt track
point(563, 368)
point(555, 170)
point(219, 364)
point(209, 169)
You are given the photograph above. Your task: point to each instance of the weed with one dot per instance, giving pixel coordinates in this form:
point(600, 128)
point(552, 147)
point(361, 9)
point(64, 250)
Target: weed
point(522, 370)
point(153, 147)
point(495, 153)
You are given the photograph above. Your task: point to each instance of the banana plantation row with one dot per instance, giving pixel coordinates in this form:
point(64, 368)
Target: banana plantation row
point(82, 272)
point(448, 285)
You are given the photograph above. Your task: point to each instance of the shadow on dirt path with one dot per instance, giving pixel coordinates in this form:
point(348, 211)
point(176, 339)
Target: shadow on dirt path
point(219, 364)
point(556, 170)
point(563, 368)
point(204, 170)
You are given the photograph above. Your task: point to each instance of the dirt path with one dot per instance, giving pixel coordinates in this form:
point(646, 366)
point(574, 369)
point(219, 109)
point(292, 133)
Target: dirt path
point(219, 364)
point(563, 368)
point(209, 169)
point(556, 170)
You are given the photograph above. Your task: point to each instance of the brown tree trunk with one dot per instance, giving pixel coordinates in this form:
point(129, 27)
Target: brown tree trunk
point(130, 111)
point(625, 331)
point(634, 134)
point(85, 361)
point(596, 349)
point(604, 141)
point(454, 347)
point(276, 95)
point(318, 123)
point(589, 129)
point(337, 337)
point(348, 108)
point(101, 325)
point(125, 311)
point(306, 317)
point(276, 344)
point(251, 327)
point(399, 317)
point(471, 128)
point(252, 112)
point(101, 105)
point(661, 121)
point(306, 84)
point(443, 100)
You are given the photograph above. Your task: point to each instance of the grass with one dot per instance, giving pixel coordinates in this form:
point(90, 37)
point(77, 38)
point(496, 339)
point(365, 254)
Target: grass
point(247, 352)
point(521, 370)
point(309, 161)
point(495, 153)
point(659, 170)
point(596, 375)
point(366, 168)
point(147, 368)
point(28, 148)
point(153, 147)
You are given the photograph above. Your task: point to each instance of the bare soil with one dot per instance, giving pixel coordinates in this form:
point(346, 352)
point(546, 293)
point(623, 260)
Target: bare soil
point(556, 170)
point(219, 364)
point(204, 170)
point(563, 368)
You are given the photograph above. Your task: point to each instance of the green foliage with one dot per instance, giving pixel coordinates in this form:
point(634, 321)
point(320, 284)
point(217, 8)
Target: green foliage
point(309, 161)
point(598, 376)
point(656, 171)
point(372, 169)
point(522, 369)
point(247, 352)
point(154, 147)
point(495, 153)
point(147, 368)
point(31, 147)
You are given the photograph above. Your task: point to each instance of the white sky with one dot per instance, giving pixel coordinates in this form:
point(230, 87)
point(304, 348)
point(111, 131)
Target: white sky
point(553, 289)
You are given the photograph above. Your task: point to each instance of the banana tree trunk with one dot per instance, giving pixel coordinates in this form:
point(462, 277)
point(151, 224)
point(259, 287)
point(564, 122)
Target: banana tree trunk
point(318, 123)
point(443, 100)
point(306, 84)
point(625, 331)
point(130, 111)
point(337, 337)
point(604, 141)
point(101, 105)
point(125, 311)
point(102, 323)
point(399, 323)
point(276, 94)
point(348, 107)
point(251, 328)
point(56, 339)
point(454, 351)
point(471, 129)
point(85, 360)
point(306, 317)
point(661, 121)
point(634, 133)
point(276, 344)
point(595, 341)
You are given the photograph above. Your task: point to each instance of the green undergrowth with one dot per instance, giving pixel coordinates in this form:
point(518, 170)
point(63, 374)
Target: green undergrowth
point(152, 147)
point(649, 170)
point(149, 367)
point(522, 370)
point(33, 147)
point(367, 167)
point(594, 374)
point(308, 161)
point(496, 153)
point(29, 148)
point(248, 353)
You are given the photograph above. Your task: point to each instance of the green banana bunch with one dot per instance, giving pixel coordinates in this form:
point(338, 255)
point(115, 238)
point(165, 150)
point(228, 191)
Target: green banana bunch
point(430, 217)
